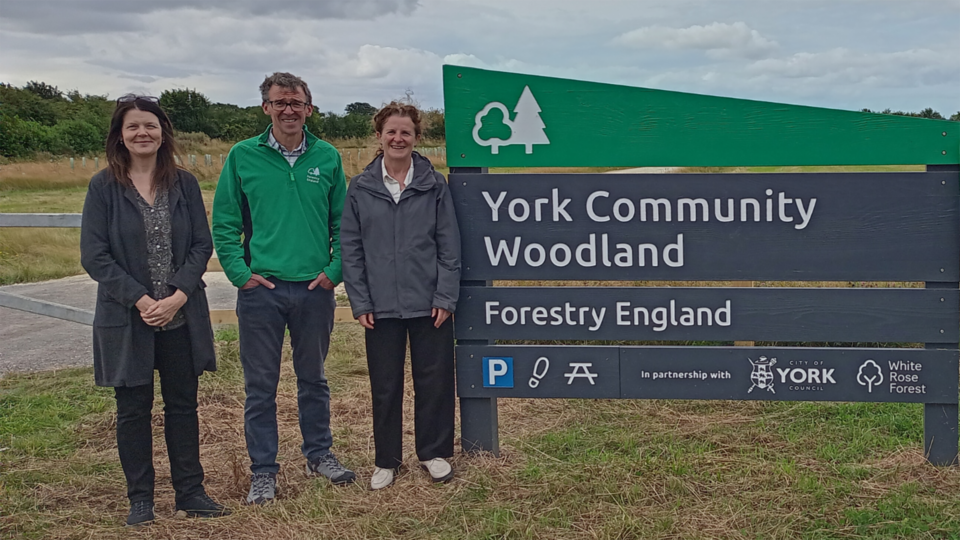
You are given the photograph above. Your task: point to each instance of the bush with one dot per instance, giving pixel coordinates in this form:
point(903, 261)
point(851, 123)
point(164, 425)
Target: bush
point(78, 136)
point(333, 126)
point(21, 138)
point(434, 126)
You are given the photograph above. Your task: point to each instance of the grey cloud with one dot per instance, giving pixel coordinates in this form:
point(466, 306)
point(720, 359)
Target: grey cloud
point(140, 78)
point(135, 70)
point(63, 17)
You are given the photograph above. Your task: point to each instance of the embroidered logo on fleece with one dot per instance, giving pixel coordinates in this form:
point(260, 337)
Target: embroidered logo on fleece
point(313, 175)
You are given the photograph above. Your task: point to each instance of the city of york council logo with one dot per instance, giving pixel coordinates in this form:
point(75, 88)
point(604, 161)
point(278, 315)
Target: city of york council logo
point(761, 376)
point(526, 127)
point(313, 175)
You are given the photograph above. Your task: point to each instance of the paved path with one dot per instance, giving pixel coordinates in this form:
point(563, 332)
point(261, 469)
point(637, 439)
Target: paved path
point(646, 170)
point(31, 342)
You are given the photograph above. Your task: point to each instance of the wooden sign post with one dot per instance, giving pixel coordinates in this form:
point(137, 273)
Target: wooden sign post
point(883, 227)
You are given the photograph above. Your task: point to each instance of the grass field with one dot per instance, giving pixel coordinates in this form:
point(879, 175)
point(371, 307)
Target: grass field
point(568, 469)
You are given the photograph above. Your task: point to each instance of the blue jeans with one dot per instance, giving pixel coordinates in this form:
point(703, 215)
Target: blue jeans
point(263, 316)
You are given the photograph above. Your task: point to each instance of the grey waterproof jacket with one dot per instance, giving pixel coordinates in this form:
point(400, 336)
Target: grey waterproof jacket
point(400, 259)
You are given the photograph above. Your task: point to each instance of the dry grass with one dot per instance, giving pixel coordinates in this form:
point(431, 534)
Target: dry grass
point(568, 469)
point(28, 255)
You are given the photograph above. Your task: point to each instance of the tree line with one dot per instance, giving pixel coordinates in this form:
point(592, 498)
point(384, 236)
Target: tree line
point(191, 111)
point(39, 117)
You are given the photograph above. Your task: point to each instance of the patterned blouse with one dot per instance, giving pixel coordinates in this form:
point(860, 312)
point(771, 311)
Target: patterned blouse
point(156, 222)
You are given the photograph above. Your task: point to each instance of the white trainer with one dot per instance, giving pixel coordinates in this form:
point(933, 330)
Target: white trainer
point(381, 478)
point(439, 469)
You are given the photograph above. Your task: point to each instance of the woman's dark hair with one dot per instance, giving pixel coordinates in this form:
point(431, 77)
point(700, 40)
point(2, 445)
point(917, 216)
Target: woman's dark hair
point(395, 108)
point(118, 157)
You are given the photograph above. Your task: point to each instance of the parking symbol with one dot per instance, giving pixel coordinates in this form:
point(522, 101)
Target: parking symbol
point(498, 372)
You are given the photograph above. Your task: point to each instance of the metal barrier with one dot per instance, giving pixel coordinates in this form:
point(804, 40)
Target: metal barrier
point(83, 316)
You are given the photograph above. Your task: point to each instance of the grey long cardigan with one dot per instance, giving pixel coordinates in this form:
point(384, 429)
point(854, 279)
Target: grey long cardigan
point(402, 259)
point(113, 251)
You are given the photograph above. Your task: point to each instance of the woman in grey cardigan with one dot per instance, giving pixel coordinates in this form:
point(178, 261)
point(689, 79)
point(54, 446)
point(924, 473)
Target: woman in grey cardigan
point(145, 240)
point(400, 247)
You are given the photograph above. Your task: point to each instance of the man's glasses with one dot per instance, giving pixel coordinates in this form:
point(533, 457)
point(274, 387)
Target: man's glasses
point(134, 97)
point(280, 105)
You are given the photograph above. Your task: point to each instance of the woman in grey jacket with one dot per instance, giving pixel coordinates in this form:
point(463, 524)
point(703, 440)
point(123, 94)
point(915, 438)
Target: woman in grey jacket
point(400, 247)
point(144, 238)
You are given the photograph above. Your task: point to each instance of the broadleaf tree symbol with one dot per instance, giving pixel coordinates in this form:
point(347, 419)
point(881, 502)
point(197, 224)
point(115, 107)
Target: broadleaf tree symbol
point(869, 375)
point(526, 128)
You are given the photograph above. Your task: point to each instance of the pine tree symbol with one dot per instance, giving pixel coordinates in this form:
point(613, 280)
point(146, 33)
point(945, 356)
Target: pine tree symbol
point(527, 125)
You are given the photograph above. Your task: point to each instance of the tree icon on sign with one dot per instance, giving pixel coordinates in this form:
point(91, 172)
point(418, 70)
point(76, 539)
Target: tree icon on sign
point(869, 375)
point(493, 142)
point(526, 128)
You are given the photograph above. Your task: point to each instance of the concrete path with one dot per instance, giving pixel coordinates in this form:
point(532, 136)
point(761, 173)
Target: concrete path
point(31, 342)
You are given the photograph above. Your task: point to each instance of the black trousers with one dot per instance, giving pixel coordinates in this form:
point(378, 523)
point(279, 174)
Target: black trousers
point(431, 358)
point(178, 386)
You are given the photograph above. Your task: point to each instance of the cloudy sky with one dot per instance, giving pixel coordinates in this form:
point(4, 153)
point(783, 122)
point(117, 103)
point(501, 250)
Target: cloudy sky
point(846, 54)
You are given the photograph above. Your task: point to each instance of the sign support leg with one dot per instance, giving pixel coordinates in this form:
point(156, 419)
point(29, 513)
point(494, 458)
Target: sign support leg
point(478, 425)
point(940, 420)
point(940, 433)
point(479, 430)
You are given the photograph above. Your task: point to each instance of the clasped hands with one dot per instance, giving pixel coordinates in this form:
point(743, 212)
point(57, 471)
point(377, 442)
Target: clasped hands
point(160, 312)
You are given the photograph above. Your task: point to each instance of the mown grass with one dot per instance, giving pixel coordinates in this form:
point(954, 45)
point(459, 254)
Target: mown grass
point(568, 469)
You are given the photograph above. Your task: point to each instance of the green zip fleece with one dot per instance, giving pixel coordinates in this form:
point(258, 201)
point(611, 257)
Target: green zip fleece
point(277, 220)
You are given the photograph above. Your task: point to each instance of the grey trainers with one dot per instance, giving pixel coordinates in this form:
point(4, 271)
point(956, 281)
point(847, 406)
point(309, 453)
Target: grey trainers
point(263, 488)
point(328, 466)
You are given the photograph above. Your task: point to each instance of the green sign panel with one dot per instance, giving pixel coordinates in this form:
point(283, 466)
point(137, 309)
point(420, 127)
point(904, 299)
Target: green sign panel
point(497, 119)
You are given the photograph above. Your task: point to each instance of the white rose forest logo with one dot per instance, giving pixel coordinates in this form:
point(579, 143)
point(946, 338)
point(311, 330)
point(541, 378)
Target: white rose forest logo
point(761, 376)
point(526, 128)
point(869, 375)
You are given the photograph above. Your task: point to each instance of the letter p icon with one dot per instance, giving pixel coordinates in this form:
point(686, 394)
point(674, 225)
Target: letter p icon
point(497, 372)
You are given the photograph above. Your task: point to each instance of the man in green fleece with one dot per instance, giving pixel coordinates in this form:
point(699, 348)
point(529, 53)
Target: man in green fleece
point(276, 228)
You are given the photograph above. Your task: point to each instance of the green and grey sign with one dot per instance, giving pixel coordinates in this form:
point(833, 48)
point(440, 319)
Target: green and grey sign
point(857, 227)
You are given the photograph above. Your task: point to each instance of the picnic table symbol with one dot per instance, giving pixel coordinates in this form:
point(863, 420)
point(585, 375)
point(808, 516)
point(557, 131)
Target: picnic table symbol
point(526, 128)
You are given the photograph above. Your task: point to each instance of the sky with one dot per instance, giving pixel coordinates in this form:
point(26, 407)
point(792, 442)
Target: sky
point(843, 54)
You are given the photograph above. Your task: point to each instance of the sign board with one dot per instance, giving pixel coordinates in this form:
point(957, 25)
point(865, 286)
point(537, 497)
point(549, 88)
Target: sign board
point(496, 119)
point(784, 374)
point(849, 227)
point(836, 227)
point(872, 315)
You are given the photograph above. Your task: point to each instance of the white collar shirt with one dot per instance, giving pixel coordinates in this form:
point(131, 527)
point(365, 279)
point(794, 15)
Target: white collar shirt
point(391, 183)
